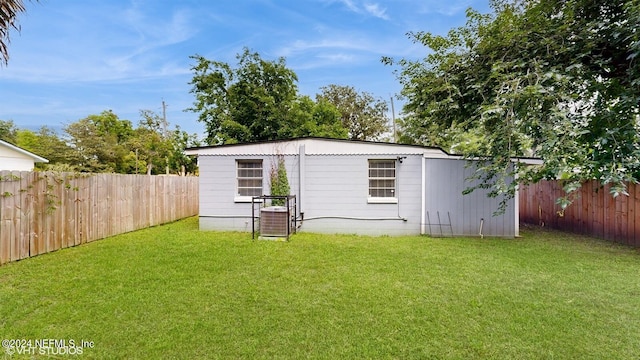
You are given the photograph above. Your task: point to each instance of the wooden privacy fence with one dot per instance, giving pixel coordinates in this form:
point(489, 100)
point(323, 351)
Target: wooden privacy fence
point(42, 212)
point(594, 212)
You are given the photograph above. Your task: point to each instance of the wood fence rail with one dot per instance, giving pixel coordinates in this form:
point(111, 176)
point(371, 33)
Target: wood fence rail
point(594, 212)
point(42, 212)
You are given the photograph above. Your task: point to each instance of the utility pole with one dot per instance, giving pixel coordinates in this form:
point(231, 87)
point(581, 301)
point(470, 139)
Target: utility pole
point(164, 133)
point(164, 118)
point(393, 120)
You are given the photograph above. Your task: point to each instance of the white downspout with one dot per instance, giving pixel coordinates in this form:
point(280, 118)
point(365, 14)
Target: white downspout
point(301, 178)
point(422, 199)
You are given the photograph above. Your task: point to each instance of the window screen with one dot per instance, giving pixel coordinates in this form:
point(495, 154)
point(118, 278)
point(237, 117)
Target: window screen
point(249, 177)
point(382, 178)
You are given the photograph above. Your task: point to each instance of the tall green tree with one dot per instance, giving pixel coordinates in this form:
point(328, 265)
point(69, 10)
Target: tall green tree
point(361, 114)
point(8, 131)
point(180, 163)
point(248, 103)
point(100, 142)
point(257, 100)
point(556, 79)
point(313, 118)
point(46, 143)
point(150, 143)
point(159, 150)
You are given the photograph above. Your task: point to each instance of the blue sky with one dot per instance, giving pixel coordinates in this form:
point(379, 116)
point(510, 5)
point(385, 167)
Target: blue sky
point(74, 58)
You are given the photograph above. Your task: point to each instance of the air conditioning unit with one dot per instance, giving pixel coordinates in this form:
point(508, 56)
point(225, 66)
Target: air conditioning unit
point(274, 222)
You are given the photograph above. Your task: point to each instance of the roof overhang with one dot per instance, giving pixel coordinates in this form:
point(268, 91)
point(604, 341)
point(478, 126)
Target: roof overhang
point(326, 146)
point(316, 146)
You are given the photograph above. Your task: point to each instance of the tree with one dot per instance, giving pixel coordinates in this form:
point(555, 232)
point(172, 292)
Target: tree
point(178, 161)
point(257, 101)
point(159, 150)
point(105, 143)
point(9, 10)
point(245, 104)
point(100, 143)
point(313, 118)
point(149, 143)
point(555, 79)
point(46, 143)
point(8, 131)
point(28, 140)
point(361, 114)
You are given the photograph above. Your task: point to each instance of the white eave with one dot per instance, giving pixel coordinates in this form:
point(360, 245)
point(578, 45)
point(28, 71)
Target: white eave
point(22, 151)
point(317, 146)
point(325, 146)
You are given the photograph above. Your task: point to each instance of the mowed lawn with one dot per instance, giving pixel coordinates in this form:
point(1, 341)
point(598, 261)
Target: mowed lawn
point(177, 293)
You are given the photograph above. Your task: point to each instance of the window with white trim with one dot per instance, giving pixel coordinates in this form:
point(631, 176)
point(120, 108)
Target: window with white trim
point(382, 179)
point(249, 177)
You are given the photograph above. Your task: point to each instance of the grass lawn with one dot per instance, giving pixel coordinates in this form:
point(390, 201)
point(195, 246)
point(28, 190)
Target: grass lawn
point(175, 292)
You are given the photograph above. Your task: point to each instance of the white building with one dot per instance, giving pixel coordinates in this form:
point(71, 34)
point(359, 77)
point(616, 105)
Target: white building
point(344, 186)
point(17, 159)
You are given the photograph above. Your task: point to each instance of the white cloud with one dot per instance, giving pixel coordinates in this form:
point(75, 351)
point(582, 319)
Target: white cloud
point(106, 44)
point(377, 11)
point(350, 5)
point(366, 8)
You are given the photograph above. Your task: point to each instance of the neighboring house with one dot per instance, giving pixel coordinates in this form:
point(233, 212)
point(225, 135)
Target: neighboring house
point(17, 159)
point(352, 187)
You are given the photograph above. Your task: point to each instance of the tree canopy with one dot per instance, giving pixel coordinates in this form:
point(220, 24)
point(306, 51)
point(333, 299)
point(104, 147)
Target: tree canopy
point(100, 143)
point(256, 101)
point(8, 131)
point(361, 114)
point(44, 142)
point(555, 79)
point(105, 143)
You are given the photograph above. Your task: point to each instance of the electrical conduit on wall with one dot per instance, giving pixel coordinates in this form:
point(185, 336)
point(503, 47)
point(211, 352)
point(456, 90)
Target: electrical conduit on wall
point(301, 192)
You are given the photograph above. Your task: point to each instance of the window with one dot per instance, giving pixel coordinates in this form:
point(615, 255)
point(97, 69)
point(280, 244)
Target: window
point(382, 180)
point(249, 178)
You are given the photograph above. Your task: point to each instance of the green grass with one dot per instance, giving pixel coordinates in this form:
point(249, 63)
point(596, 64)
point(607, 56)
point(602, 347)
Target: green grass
point(175, 292)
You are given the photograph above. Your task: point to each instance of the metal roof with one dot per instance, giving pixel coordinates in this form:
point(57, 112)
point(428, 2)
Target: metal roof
point(317, 146)
point(328, 146)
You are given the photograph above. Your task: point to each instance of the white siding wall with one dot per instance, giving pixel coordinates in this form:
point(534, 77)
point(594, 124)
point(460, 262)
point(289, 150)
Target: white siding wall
point(218, 207)
point(336, 193)
point(16, 164)
point(337, 189)
point(13, 160)
point(445, 182)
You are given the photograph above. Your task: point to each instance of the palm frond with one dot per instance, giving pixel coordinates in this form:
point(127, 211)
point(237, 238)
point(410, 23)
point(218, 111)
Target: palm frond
point(9, 10)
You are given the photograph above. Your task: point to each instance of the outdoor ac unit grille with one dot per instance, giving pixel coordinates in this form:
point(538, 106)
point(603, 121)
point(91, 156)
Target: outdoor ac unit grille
point(274, 221)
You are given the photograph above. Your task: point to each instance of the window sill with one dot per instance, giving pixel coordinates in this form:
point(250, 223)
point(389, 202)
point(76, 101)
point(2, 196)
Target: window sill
point(379, 200)
point(244, 199)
